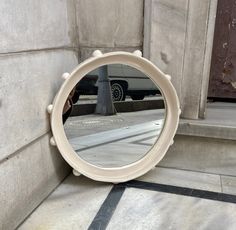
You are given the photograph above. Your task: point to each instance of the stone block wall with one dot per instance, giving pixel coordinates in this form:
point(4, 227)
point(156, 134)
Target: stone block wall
point(178, 38)
point(109, 25)
point(38, 43)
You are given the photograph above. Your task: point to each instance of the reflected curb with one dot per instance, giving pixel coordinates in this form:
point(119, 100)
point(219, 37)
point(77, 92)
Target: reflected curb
point(124, 106)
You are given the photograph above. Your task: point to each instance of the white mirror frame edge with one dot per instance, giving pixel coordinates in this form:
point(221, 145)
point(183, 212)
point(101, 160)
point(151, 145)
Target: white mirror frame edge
point(158, 150)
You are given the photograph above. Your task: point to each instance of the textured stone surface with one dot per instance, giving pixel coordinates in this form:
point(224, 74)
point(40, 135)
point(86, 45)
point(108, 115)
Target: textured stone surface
point(228, 184)
point(27, 25)
point(28, 84)
point(110, 23)
point(73, 205)
point(183, 178)
point(27, 178)
point(141, 209)
point(38, 43)
point(220, 122)
point(208, 155)
point(164, 37)
point(178, 37)
point(195, 54)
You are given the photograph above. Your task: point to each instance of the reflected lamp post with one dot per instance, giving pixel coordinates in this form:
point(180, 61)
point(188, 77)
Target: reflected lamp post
point(105, 104)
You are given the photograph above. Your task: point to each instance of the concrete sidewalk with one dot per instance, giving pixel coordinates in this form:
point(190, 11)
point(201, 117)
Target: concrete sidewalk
point(80, 203)
point(93, 123)
point(164, 198)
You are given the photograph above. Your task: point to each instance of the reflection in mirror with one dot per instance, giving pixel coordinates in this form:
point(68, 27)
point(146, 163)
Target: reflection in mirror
point(113, 116)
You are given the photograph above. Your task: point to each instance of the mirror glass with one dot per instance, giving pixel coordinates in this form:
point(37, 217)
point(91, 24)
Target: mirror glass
point(113, 116)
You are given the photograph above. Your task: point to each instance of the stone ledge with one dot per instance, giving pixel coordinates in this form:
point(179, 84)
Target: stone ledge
point(220, 122)
point(199, 129)
point(201, 154)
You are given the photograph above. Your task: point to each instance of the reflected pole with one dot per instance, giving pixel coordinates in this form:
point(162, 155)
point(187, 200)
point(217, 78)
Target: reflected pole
point(105, 104)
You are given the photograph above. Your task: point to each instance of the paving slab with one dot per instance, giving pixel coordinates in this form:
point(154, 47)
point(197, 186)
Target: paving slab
point(80, 203)
point(228, 184)
point(72, 205)
point(183, 178)
point(142, 209)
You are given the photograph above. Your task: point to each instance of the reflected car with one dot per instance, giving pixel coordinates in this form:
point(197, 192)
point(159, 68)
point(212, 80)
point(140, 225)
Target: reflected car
point(124, 80)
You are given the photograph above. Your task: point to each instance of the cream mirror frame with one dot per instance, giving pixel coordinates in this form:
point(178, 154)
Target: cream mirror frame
point(160, 147)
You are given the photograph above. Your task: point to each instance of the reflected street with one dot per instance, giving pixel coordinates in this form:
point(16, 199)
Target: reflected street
point(113, 116)
point(115, 136)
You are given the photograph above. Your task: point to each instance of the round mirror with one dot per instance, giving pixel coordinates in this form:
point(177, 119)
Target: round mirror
point(113, 116)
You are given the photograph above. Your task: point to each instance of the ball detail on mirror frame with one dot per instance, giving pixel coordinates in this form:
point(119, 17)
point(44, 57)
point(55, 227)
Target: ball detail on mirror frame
point(50, 108)
point(168, 77)
point(52, 141)
point(138, 53)
point(97, 53)
point(76, 173)
point(65, 76)
point(180, 112)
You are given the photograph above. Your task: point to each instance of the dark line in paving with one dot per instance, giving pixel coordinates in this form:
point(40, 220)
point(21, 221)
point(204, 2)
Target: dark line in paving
point(107, 209)
point(144, 144)
point(204, 194)
point(139, 142)
point(195, 171)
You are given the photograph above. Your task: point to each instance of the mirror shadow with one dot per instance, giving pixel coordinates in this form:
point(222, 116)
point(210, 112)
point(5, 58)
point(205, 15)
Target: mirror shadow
point(113, 116)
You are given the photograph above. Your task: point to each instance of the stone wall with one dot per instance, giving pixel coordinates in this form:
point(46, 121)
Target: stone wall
point(38, 43)
point(109, 25)
point(178, 38)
